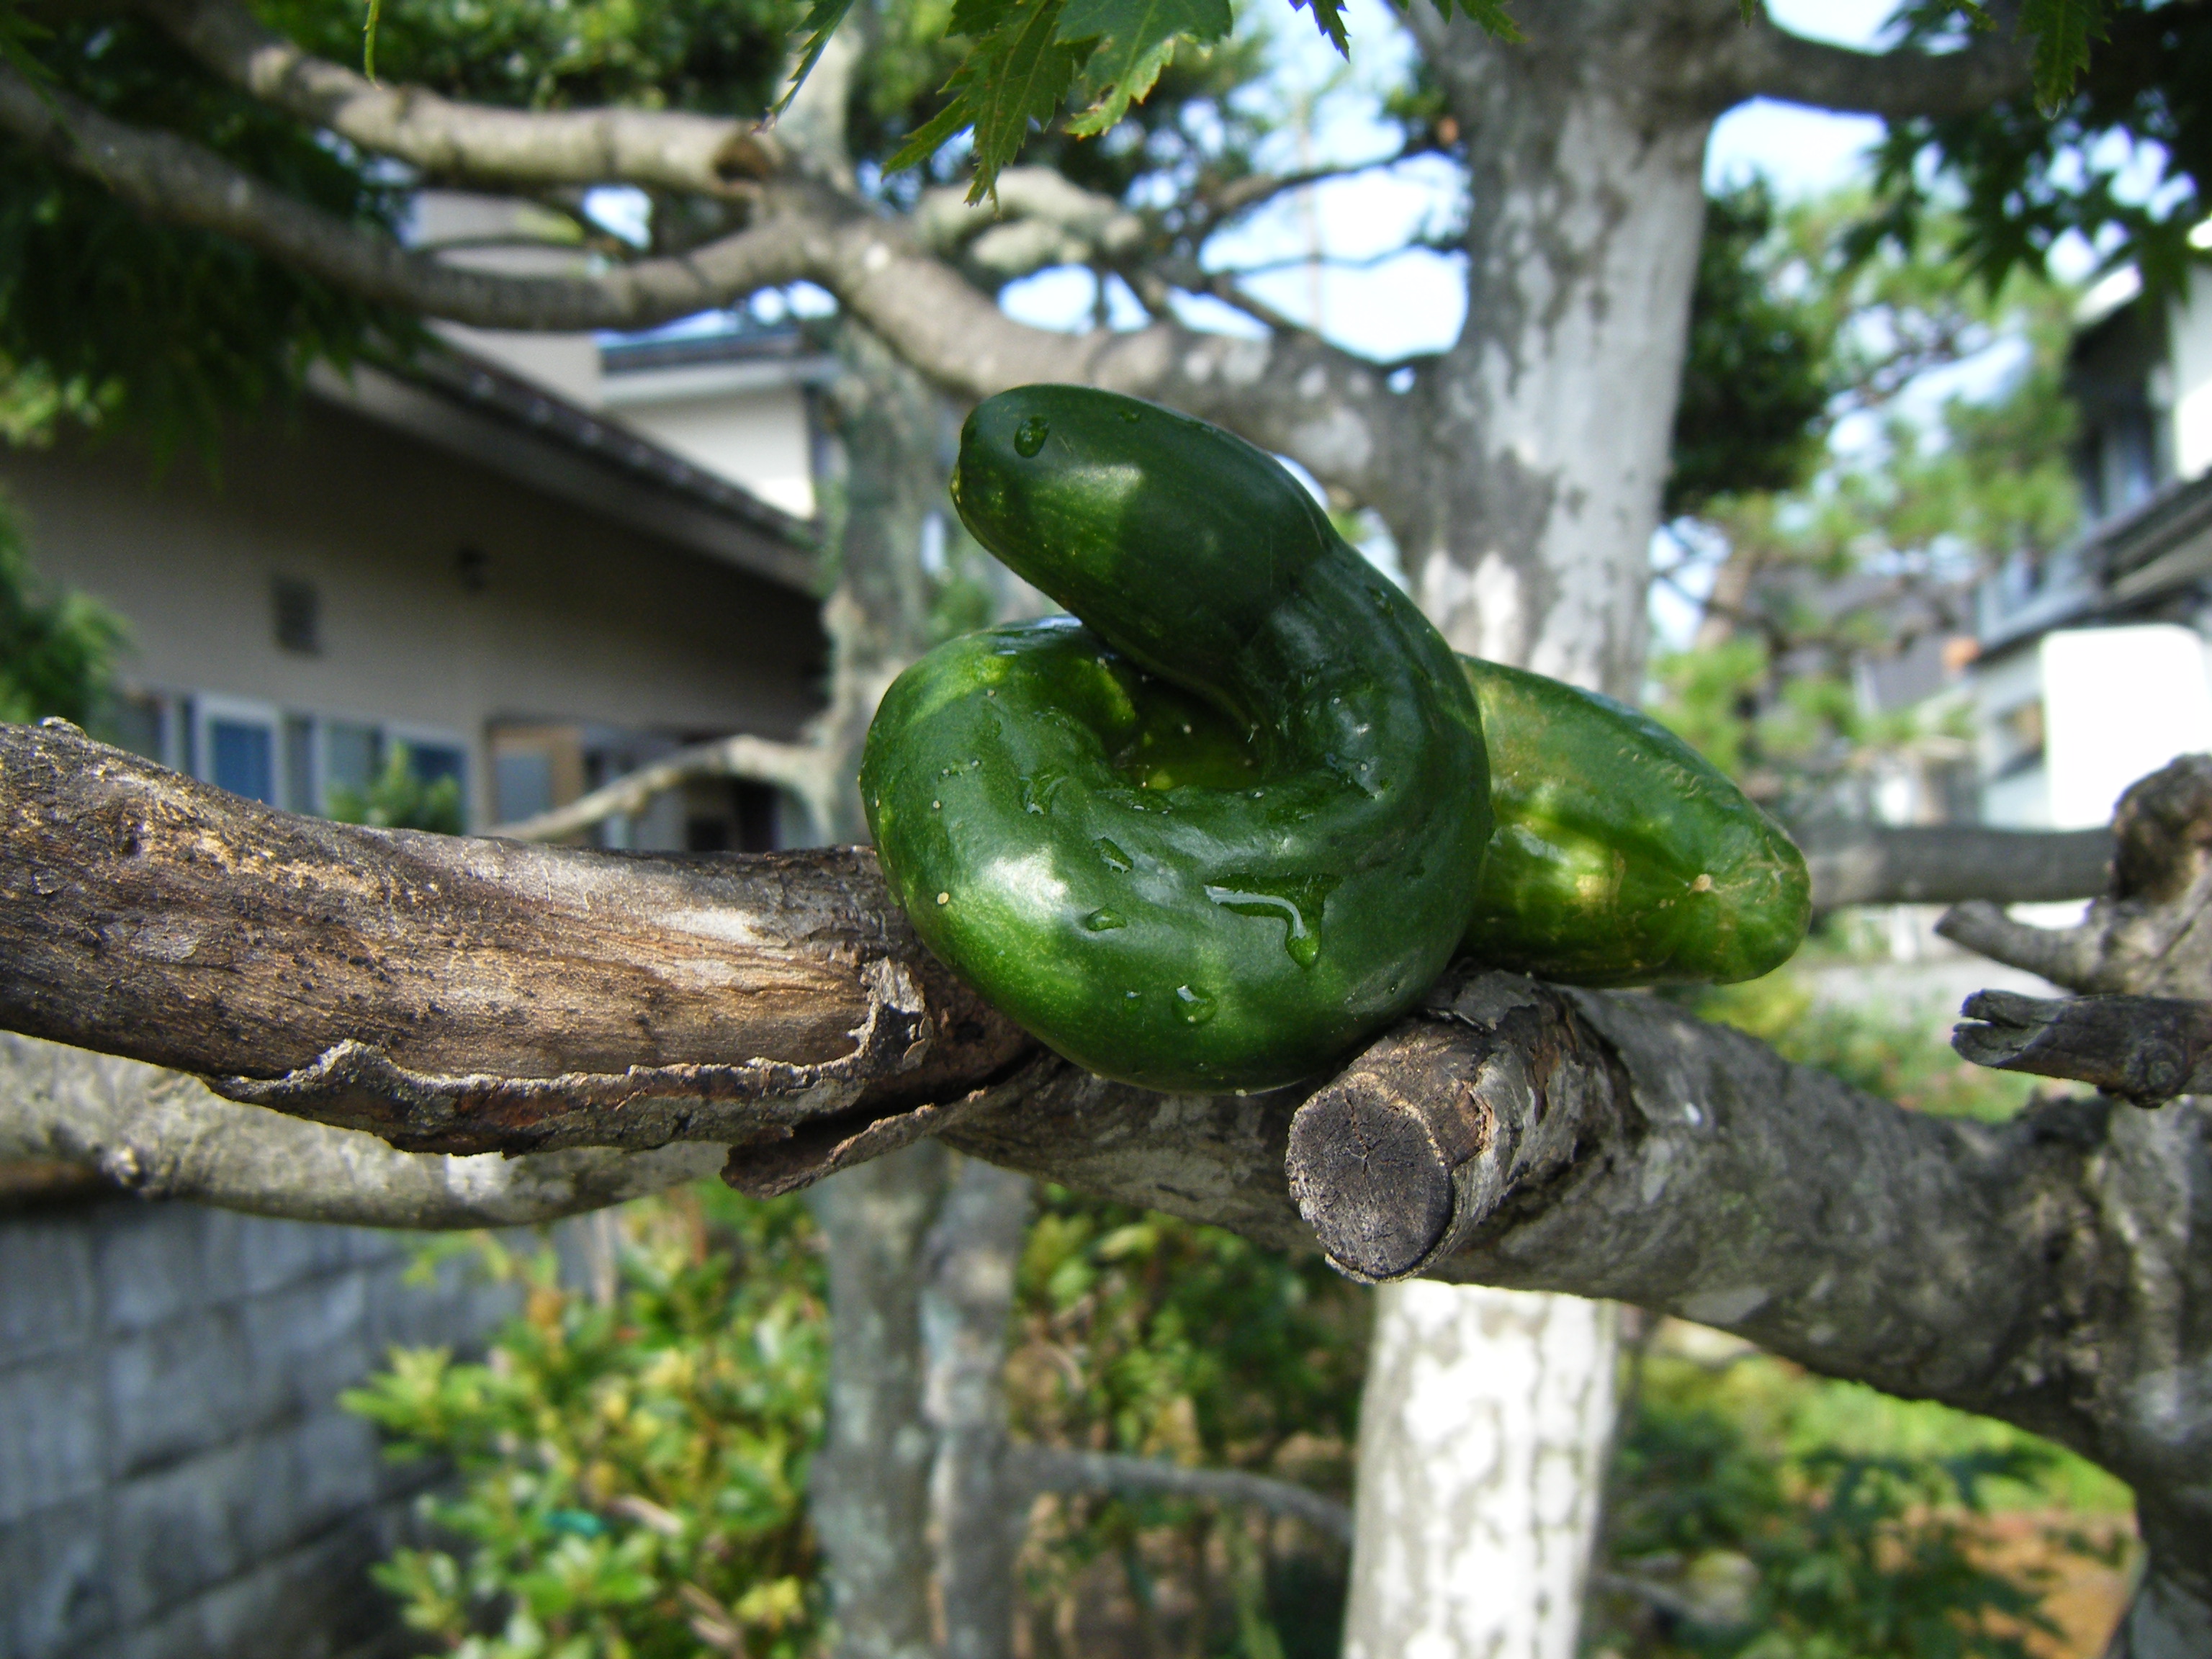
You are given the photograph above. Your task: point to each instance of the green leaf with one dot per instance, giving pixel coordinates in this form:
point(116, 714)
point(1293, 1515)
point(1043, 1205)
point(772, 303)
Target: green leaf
point(822, 19)
point(2062, 30)
point(1015, 73)
point(1136, 40)
point(1491, 17)
point(18, 34)
point(1328, 17)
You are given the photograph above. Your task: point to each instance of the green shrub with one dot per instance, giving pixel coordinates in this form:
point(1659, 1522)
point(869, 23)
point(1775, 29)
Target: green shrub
point(1140, 1333)
point(1735, 1527)
point(1888, 1049)
point(57, 651)
point(400, 800)
point(630, 1478)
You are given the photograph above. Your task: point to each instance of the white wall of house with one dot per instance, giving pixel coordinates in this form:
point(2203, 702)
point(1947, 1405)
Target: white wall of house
point(2066, 725)
point(747, 423)
point(2118, 703)
point(2189, 346)
point(2009, 696)
point(448, 600)
point(744, 421)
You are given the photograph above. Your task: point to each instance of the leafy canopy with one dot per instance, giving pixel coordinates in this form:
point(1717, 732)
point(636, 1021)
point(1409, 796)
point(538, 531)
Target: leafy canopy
point(1024, 59)
point(2114, 146)
point(1806, 563)
point(165, 328)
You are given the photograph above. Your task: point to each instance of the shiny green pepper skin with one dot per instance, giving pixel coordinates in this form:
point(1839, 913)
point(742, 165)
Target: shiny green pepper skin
point(1226, 826)
point(1621, 855)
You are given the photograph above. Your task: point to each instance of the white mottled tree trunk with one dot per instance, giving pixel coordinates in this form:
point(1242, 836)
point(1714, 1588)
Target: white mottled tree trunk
point(1482, 1443)
point(1525, 525)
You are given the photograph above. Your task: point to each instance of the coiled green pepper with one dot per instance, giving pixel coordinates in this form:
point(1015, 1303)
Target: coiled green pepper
point(1239, 816)
point(1225, 827)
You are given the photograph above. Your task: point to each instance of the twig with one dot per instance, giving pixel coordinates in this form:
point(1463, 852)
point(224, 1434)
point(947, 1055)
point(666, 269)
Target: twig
point(2145, 1050)
point(1053, 1468)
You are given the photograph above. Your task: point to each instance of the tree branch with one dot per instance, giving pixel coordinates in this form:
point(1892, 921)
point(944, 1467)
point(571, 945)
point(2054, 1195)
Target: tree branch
point(165, 1135)
point(474, 142)
point(461, 995)
point(2143, 1049)
point(1942, 865)
point(473, 994)
point(1323, 406)
point(2153, 935)
point(1041, 218)
point(798, 768)
point(1613, 1146)
point(1054, 1468)
point(171, 179)
point(1763, 61)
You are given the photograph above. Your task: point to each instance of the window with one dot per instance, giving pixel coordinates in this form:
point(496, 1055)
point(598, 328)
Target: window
point(299, 614)
point(431, 762)
point(299, 790)
point(235, 747)
point(522, 784)
point(433, 757)
point(352, 755)
point(138, 721)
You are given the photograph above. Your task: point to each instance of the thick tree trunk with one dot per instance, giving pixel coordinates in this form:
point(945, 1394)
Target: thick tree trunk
point(869, 1489)
point(889, 424)
point(981, 1500)
point(1474, 1525)
point(1524, 521)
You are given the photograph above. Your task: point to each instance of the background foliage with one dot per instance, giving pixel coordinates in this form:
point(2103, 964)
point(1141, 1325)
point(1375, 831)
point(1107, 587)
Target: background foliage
point(55, 651)
point(1916, 435)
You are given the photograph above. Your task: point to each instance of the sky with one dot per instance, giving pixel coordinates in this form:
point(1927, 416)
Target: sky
point(1413, 303)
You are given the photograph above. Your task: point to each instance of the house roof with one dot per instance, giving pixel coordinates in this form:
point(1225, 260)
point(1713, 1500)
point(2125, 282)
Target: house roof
point(475, 409)
point(2126, 563)
point(2164, 543)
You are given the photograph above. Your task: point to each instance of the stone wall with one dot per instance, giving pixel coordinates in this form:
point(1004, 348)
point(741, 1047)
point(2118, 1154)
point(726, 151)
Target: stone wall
point(176, 1479)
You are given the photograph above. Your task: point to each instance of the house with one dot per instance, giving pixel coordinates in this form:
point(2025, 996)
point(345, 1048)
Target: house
point(2091, 668)
point(528, 595)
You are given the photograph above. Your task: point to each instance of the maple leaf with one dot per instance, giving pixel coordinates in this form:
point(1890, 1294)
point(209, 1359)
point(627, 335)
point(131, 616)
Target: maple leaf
point(1135, 41)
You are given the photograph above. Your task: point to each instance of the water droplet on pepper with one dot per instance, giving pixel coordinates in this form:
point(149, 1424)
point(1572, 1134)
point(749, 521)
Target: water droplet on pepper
point(1030, 436)
point(1104, 921)
point(1297, 903)
point(1195, 1006)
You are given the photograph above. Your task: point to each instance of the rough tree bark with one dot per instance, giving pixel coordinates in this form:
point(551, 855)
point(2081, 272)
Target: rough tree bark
point(162, 1134)
point(870, 1496)
point(868, 1492)
point(1451, 1486)
point(981, 1504)
point(1522, 523)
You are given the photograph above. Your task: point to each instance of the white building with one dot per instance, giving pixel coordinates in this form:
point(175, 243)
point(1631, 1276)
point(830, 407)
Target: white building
point(2093, 665)
point(728, 394)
